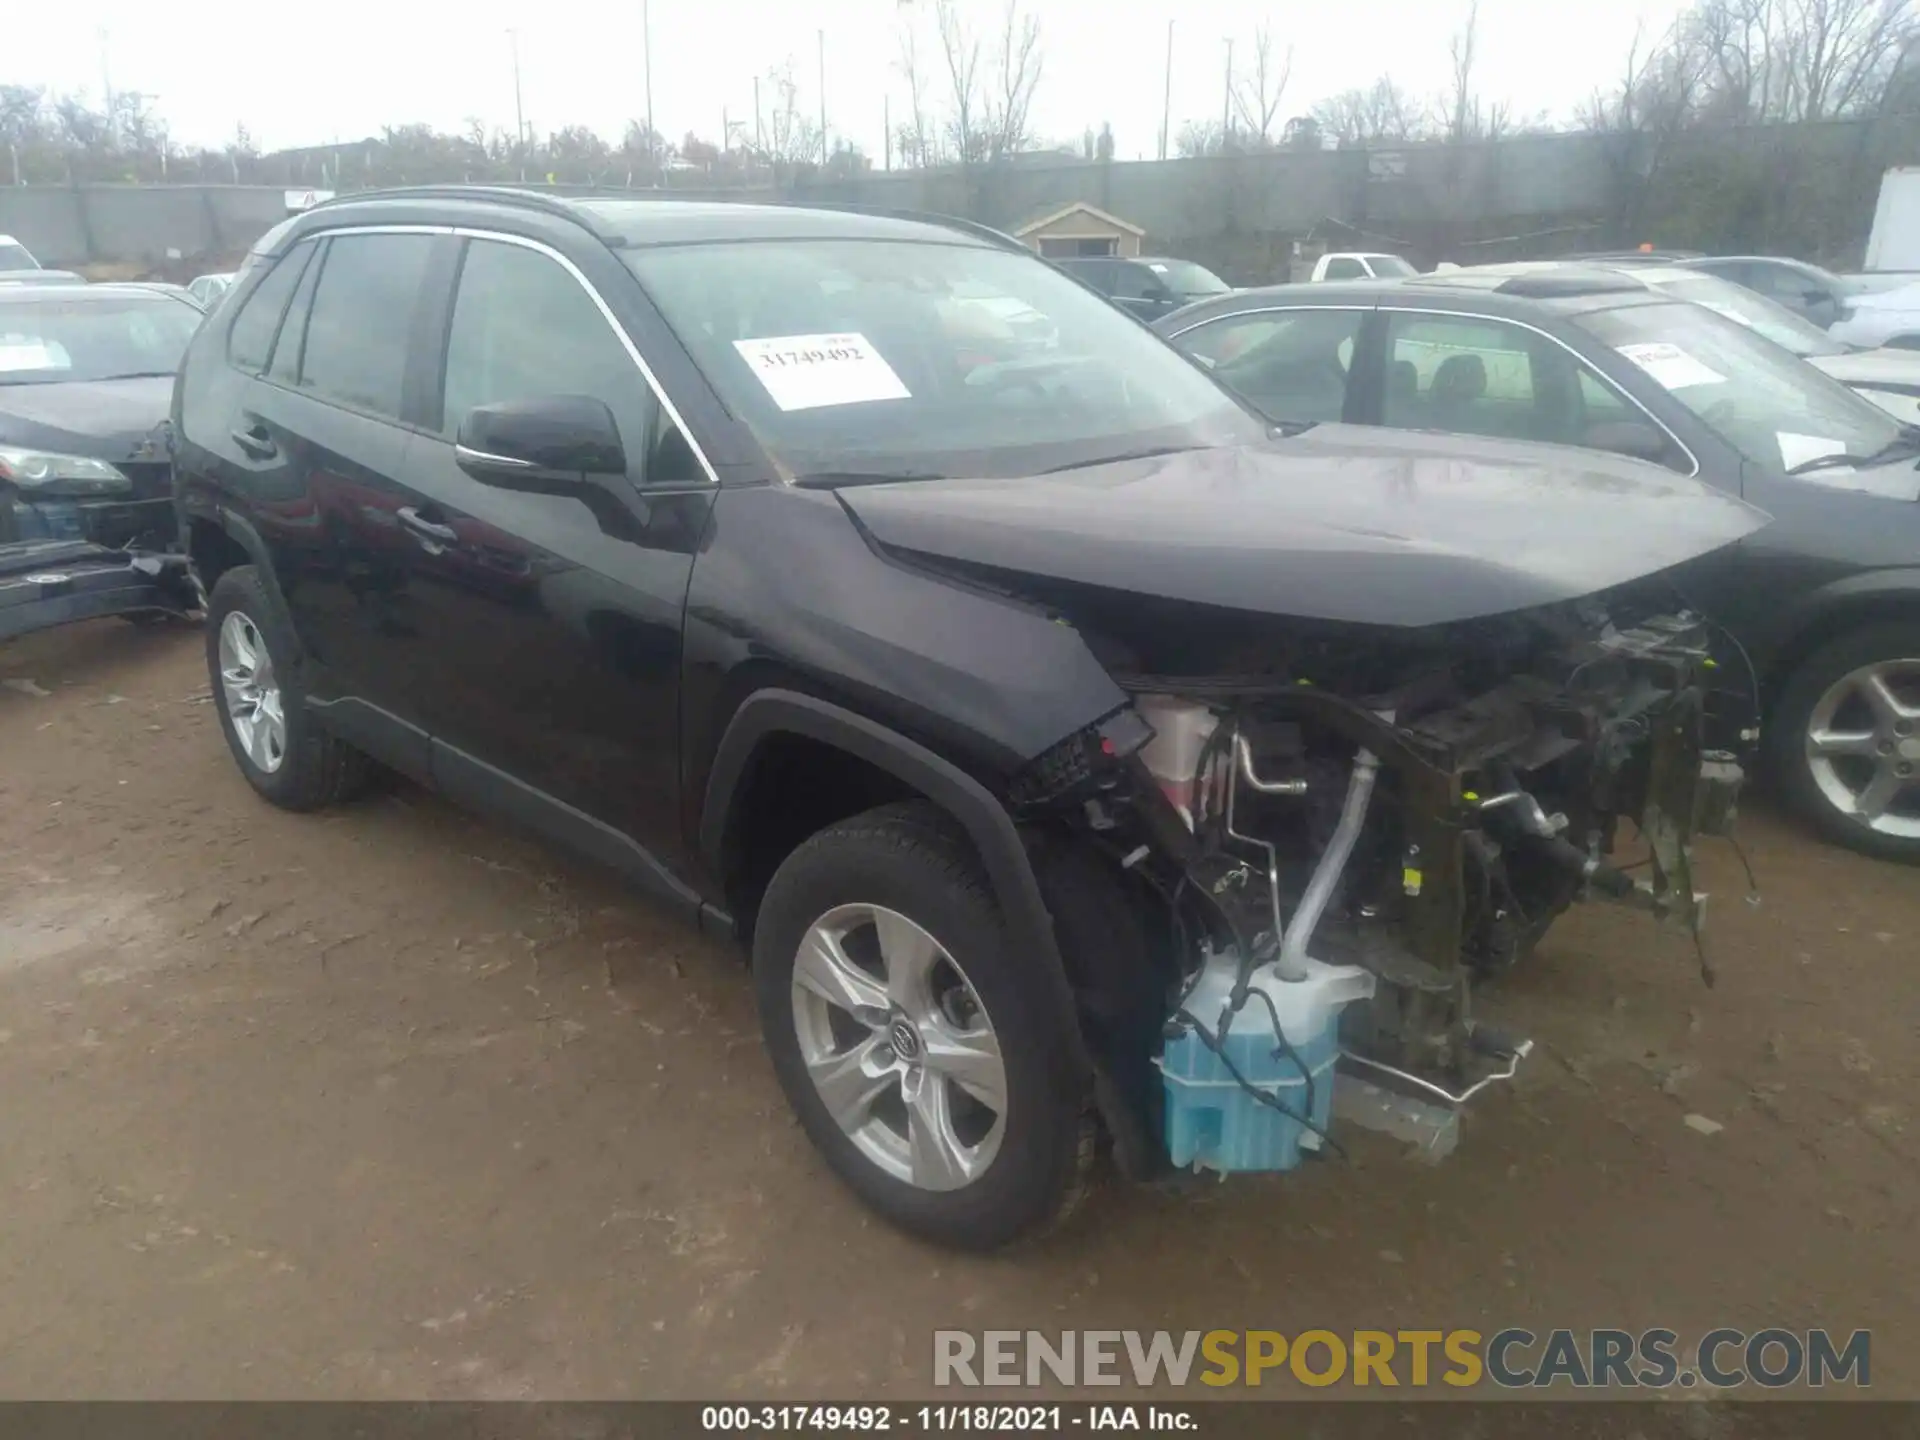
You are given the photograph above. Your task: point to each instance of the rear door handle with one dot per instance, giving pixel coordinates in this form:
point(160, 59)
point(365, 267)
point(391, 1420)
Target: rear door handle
point(256, 442)
point(412, 520)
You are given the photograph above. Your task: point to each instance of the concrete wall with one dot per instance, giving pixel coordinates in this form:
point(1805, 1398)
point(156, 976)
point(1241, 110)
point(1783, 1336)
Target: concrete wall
point(1807, 189)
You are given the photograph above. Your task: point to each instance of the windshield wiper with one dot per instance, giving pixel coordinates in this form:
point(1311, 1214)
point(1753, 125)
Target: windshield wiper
point(1151, 452)
point(1903, 446)
point(833, 479)
point(141, 375)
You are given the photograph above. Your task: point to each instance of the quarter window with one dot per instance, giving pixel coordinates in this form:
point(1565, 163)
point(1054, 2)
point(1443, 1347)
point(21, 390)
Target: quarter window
point(362, 319)
point(250, 337)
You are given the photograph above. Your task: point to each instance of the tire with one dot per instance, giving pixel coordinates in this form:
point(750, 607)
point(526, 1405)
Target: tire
point(296, 765)
point(997, 1174)
point(1887, 735)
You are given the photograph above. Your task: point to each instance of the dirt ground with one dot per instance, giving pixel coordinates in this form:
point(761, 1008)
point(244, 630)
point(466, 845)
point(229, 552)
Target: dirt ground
point(393, 1103)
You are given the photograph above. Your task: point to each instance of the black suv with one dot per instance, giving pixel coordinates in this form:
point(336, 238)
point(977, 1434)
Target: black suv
point(1150, 286)
point(1006, 698)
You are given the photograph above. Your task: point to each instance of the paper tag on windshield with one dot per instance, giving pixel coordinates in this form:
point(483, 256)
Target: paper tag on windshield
point(1673, 367)
point(804, 372)
point(27, 355)
point(1799, 449)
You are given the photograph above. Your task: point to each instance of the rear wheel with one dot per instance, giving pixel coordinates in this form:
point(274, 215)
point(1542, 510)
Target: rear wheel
point(920, 1052)
point(253, 662)
point(1846, 740)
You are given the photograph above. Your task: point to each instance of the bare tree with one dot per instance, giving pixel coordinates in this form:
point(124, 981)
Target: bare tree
point(1467, 116)
point(960, 49)
point(1381, 112)
point(918, 138)
point(1256, 99)
point(1017, 64)
point(792, 135)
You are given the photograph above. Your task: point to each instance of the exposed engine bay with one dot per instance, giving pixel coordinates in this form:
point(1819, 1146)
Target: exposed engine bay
point(1343, 829)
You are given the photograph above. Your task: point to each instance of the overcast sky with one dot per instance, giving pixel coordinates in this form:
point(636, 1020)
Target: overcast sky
point(312, 74)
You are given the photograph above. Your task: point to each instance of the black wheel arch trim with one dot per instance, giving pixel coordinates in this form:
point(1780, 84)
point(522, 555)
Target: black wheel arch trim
point(772, 712)
point(1856, 600)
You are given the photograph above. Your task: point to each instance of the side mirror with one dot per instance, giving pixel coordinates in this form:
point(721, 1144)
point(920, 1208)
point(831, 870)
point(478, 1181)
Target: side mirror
point(1628, 437)
point(540, 444)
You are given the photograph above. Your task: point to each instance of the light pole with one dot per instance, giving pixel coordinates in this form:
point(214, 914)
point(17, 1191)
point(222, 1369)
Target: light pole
point(646, 61)
point(823, 97)
point(519, 115)
point(1166, 97)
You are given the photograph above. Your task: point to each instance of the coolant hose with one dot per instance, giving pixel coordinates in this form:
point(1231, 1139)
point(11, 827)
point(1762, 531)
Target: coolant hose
point(1292, 963)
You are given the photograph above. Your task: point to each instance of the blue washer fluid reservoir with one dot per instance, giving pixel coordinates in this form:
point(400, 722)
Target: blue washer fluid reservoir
point(1212, 1123)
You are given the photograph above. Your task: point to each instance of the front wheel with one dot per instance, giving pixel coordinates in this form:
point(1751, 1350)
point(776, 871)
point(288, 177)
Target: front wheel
point(1846, 740)
point(920, 1052)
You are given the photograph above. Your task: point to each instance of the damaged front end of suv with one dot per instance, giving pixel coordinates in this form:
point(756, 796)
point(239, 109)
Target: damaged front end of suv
point(1356, 774)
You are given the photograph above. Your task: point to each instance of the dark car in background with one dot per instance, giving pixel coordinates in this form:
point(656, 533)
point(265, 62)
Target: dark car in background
point(1820, 295)
point(1824, 603)
point(1149, 286)
point(86, 510)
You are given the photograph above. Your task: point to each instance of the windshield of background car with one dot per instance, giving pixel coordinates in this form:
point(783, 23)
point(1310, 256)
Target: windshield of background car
point(50, 340)
point(1183, 277)
point(1772, 407)
point(918, 359)
point(1756, 312)
point(15, 257)
point(1390, 267)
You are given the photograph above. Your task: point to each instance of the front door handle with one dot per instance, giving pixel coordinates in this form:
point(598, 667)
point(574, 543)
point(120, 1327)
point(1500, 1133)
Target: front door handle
point(413, 521)
point(256, 442)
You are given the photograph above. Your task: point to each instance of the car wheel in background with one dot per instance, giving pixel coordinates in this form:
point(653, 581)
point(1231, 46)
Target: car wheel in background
point(913, 1042)
point(253, 663)
point(1845, 740)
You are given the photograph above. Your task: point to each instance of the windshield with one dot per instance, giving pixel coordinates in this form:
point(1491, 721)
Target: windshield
point(855, 358)
point(1772, 407)
point(15, 257)
point(49, 340)
point(1756, 312)
point(1183, 277)
point(1390, 267)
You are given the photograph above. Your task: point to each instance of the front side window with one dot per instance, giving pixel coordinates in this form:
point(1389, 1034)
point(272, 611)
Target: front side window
point(15, 257)
point(870, 357)
point(361, 321)
point(1772, 407)
point(1475, 375)
point(48, 340)
point(525, 329)
point(1291, 365)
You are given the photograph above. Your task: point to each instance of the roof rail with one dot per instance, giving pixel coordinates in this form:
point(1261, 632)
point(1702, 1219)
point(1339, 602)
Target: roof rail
point(540, 200)
point(925, 217)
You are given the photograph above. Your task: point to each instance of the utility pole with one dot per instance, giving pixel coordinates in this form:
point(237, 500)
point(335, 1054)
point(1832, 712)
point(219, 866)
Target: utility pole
point(646, 52)
point(1166, 97)
point(1226, 101)
point(106, 86)
point(759, 139)
point(823, 97)
point(519, 115)
point(886, 130)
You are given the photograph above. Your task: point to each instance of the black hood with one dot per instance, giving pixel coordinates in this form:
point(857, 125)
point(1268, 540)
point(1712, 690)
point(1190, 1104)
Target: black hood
point(110, 420)
point(1363, 526)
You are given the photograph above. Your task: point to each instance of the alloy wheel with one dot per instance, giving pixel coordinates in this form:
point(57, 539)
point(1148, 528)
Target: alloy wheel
point(899, 1048)
point(1863, 747)
point(252, 692)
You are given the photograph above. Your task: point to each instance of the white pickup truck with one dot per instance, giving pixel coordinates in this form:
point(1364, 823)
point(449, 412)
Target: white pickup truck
point(1360, 265)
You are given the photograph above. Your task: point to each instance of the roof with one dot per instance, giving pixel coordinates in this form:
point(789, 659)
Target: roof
point(85, 294)
point(1457, 290)
point(621, 221)
point(1078, 207)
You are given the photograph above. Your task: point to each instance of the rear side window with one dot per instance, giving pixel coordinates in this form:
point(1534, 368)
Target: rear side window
point(357, 331)
point(250, 337)
point(1345, 268)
